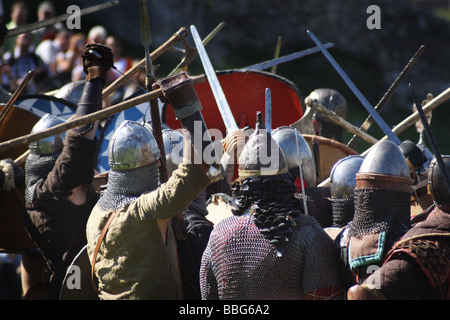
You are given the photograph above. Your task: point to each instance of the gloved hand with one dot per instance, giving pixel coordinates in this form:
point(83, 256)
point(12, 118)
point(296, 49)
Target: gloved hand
point(97, 60)
point(179, 92)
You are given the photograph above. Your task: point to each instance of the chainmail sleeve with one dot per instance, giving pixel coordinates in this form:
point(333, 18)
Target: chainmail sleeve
point(321, 278)
point(208, 283)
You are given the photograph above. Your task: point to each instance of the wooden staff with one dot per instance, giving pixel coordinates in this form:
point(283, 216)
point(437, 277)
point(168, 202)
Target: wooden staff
point(343, 123)
point(101, 114)
point(409, 121)
point(15, 95)
point(177, 36)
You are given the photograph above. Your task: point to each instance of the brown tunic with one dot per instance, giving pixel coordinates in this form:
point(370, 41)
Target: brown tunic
point(56, 225)
point(418, 267)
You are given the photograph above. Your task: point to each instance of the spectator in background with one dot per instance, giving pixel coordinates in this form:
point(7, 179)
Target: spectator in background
point(2, 12)
point(122, 63)
point(19, 17)
point(5, 70)
point(97, 35)
point(69, 64)
point(46, 10)
point(22, 59)
point(48, 49)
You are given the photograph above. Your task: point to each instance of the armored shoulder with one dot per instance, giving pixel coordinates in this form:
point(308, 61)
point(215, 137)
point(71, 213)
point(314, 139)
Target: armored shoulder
point(432, 256)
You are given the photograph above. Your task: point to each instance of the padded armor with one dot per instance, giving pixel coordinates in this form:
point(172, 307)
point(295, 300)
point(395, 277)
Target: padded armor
point(432, 256)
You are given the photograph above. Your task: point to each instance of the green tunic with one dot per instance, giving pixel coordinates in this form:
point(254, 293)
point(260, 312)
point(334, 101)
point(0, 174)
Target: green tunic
point(133, 261)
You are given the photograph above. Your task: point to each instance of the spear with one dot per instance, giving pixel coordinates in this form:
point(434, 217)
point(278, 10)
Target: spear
point(190, 53)
point(98, 115)
point(146, 40)
point(15, 95)
point(177, 36)
point(48, 22)
point(387, 96)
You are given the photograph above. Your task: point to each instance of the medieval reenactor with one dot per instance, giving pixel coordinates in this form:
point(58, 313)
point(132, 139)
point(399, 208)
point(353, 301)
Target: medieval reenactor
point(418, 266)
point(334, 101)
point(58, 175)
point(298, 155)
point(195, 230)
point(382, 198)
point(302, 169)
point(342, 189)
point(136, 258)
point(268, 249)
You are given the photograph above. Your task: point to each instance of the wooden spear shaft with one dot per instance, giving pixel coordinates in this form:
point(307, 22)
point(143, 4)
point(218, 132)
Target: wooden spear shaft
point(409, 121)
point(430, 106)
point(104, 113)
point(345, 124)
point(177, 36)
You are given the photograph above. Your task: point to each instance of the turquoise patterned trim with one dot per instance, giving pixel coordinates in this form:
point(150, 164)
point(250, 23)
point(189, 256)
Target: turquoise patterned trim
point(367, 260)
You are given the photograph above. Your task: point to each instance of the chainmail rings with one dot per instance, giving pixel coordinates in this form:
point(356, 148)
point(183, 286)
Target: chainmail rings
point(37, 167)
point(125, 186)
point(343, 211)
point(272, 200)
point(378, 210)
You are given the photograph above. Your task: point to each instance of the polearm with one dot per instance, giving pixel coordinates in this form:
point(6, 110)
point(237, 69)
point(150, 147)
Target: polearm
point(146, 40)
point(430, 136)
point(98, 115)
point(378, 119)
point(48, 22)
point(427, 108)
point(409, 121)
point(387, 96)
point(177, 36)
point(15, 95)
point(190, 53)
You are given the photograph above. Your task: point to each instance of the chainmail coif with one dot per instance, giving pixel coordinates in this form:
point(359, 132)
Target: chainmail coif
point(273, 202)
point(126, 186)
point(379, 210)
point(343, 211)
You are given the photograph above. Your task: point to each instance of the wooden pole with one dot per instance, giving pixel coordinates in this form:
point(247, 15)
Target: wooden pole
point(177, 36)
point(101, 114)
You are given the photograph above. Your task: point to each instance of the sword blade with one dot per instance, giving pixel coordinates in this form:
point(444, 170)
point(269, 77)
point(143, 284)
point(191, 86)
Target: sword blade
point(48, 22)
point(289, 57)
point(387, 96)
point(219, 96)
point(378, 119)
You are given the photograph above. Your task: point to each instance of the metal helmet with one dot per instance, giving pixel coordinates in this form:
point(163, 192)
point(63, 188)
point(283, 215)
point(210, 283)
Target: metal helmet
point(261, 155)
point(330, 99)
point(132, 146)
point(385, 163)
point(49, 145)
point(343, 176)
point(173, 146)
point(296, 149)
point(437, 185)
